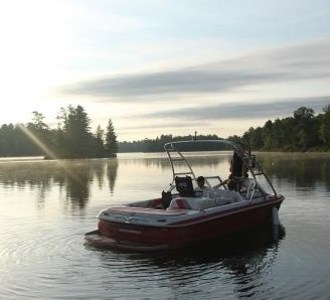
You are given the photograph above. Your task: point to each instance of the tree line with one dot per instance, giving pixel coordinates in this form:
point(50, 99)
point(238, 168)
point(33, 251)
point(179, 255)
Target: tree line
point(72, 138)
point(302, 132)
point(157, 144)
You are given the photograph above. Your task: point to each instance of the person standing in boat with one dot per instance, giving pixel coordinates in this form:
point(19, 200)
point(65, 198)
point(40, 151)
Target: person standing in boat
point(235, 173)
point(234, 180)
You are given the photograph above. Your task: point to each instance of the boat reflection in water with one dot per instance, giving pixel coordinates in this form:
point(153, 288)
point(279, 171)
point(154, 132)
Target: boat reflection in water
point(239, 262)
point(185, 215)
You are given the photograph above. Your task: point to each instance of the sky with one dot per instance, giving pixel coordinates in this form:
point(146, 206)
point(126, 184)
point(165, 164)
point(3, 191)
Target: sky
point(164, 67)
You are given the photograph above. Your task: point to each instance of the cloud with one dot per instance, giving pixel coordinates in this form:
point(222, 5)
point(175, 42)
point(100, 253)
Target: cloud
point(267, 109)
point(225, 119)
point(308, 61)
point(171, 82)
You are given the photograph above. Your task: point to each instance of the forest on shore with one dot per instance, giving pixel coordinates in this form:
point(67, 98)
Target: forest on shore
point(73, 137)
point(304, 131)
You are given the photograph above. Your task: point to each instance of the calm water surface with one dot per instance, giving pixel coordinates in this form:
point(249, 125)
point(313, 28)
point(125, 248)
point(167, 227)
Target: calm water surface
point(47, 206)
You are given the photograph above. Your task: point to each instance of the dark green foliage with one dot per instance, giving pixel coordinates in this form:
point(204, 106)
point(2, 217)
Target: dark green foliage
point(111, 144)
point(302, 132)
point(77, 133)
point(324, 129)
point(72, 138)
point(157, 145)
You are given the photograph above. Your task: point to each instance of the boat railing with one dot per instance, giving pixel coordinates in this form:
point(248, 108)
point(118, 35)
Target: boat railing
point(181, 166)
point(177, 159)
point(257, 171)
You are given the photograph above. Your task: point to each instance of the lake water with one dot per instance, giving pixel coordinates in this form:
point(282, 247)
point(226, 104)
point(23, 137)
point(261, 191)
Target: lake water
point(47, 206)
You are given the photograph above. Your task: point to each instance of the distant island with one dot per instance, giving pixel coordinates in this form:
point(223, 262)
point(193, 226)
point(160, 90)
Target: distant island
point(73, 138)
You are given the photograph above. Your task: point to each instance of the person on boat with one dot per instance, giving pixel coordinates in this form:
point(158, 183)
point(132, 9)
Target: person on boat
point(202, 188)
point(234, 179)
point(228, 196)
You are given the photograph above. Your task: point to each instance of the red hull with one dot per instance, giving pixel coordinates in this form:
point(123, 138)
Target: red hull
point(186, 232)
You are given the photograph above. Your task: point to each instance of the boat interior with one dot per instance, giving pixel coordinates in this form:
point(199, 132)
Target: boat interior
point(187, 197)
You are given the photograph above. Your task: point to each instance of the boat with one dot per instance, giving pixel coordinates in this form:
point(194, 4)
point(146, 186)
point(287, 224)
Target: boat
point(184, 214)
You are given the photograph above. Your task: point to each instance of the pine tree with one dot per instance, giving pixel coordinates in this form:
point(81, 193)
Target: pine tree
point(98, 143)
point(77, 132)
point(111, 144)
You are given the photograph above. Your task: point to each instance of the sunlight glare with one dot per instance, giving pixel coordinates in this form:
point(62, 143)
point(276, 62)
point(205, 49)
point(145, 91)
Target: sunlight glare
point(35, 38)
point(49, 152)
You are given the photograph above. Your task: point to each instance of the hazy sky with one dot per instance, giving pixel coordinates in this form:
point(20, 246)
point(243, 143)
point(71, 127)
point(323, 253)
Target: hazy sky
point(161, 66)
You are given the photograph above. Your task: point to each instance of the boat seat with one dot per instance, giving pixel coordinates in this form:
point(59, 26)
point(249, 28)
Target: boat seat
point(184, 186)
point(129, 210)
point(166, 199)
point(197, 203)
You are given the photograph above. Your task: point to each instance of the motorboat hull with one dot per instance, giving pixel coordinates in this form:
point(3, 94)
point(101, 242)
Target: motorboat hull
point(203, 226)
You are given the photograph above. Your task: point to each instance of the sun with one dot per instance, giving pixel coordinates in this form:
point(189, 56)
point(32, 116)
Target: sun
point(35, 38)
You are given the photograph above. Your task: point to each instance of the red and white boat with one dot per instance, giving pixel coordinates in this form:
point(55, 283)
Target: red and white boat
point(185, 215)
